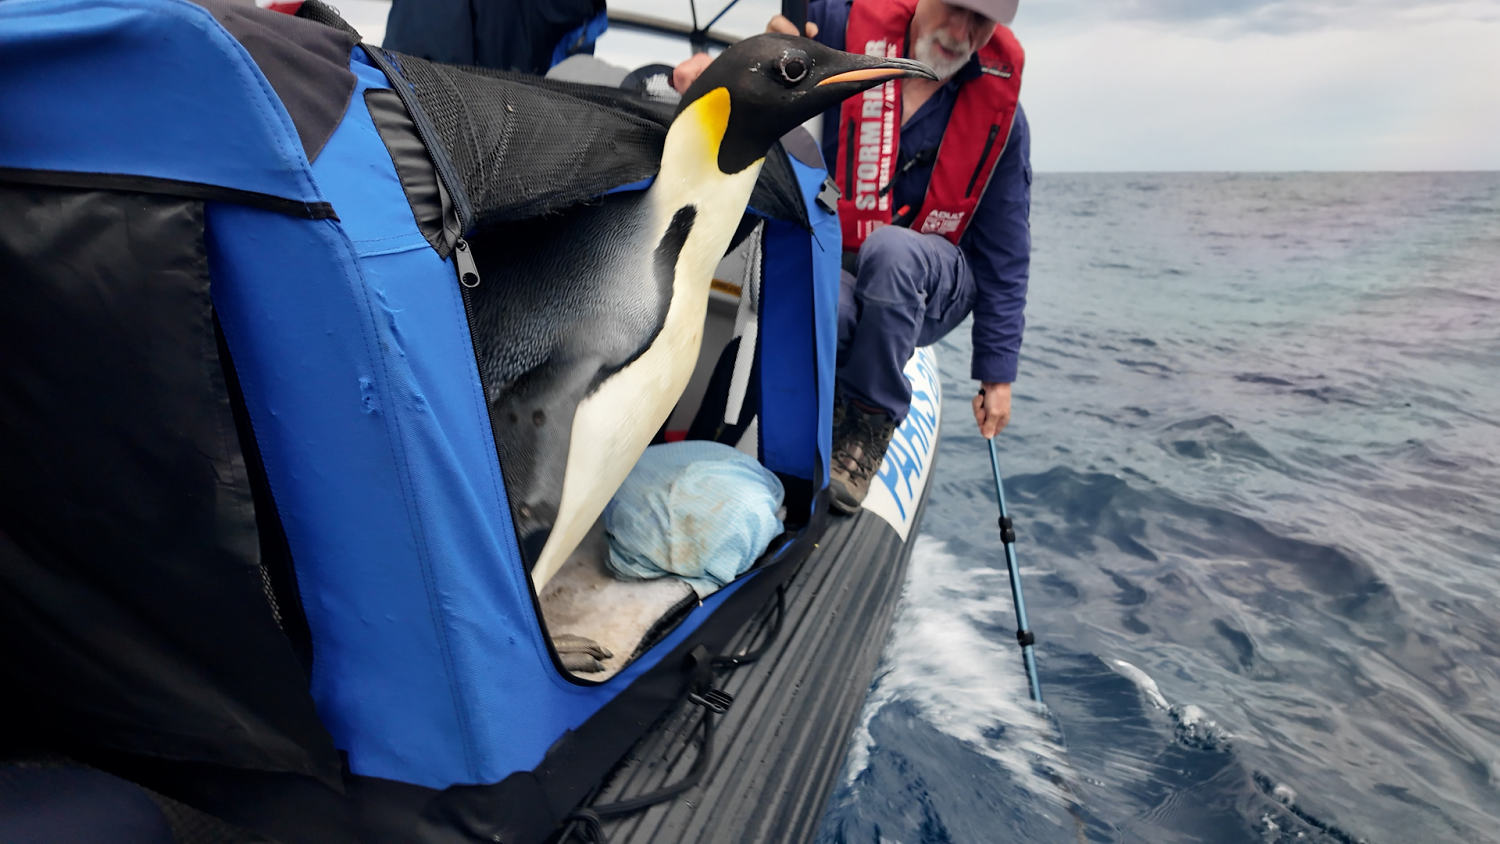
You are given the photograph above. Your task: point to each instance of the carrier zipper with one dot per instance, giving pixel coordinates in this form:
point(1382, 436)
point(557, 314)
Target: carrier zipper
point(440, 161)
point(989, 144)
point(468, 271)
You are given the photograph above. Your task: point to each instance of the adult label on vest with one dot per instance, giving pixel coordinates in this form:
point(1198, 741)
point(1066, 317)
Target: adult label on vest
point(897, 488)
point(942, 222)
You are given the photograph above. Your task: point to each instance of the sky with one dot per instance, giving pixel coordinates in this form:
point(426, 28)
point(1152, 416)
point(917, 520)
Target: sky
point(1242, 85)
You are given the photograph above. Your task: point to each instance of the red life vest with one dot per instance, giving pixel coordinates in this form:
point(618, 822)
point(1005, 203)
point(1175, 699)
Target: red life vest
point(870, 130)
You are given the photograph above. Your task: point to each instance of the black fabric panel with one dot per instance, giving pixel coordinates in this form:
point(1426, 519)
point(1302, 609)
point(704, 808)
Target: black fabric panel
point(131, 607)
point(283, 808)
point(307, 64)
point(435, 216)
point(776, 193)
point(514, 810)
point(278, 576)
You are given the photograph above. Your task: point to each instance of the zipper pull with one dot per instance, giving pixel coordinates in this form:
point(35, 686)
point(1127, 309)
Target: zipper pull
point(468, 271)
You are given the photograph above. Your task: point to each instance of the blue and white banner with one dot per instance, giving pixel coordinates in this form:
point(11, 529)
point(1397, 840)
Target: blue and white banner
point(897, 488)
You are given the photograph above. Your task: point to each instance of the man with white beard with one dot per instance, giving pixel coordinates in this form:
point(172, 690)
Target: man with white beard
point(935, 177)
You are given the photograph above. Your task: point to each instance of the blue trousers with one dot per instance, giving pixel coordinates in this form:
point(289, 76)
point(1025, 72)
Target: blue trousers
point(908, 290)
point(69, 804)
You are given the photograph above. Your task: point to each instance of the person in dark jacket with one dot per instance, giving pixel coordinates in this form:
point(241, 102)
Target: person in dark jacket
point(520, 35)
point(921, 253)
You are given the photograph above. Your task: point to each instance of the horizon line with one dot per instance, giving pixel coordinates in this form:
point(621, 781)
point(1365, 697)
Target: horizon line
point(1259, 172)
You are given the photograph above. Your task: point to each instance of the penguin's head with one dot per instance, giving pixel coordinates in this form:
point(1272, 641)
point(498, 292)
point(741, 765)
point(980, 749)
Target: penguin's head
point(762, 87)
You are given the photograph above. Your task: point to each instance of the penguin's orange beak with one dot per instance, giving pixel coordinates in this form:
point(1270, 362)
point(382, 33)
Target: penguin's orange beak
point(885, 69)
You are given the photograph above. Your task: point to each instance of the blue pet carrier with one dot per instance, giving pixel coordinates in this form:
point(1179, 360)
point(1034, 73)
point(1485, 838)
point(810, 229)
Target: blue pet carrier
point(255, 543)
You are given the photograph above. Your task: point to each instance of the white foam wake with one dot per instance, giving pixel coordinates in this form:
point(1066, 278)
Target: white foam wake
point(1192, 726)
point(1143, 681)
point(962, 680)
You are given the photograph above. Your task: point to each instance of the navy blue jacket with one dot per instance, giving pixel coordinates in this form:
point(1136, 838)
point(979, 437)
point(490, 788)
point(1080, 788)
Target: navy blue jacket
point(519, 35)
point(997, 243)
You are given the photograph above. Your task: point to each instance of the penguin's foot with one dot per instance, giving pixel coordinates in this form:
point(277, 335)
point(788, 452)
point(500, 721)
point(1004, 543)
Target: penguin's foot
point(580, 654)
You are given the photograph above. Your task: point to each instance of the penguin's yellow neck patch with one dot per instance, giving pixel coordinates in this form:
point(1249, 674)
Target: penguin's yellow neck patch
point(712, 113)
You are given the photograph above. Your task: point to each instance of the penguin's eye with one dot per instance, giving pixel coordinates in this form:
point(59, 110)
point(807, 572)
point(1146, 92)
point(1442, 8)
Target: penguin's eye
point(791, 68)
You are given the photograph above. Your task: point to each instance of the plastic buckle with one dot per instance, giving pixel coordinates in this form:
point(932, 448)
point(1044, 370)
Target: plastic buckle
point(829, 194)
point(716, 701)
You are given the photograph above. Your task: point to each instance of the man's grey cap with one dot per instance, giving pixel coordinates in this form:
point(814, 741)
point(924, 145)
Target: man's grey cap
point(999, 11)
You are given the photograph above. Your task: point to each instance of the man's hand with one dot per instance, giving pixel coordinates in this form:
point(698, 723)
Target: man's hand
point(992, 408)
point(684, 74)
point(780, 24)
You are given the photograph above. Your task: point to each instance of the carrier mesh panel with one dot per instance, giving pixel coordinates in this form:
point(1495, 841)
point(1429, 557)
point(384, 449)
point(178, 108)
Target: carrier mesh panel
point(523, 146)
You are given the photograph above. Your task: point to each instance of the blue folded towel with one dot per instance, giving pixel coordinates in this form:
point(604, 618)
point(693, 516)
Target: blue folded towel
point(699, 510)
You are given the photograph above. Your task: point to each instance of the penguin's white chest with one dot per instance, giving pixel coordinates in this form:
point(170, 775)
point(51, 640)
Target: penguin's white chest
point(618, 420)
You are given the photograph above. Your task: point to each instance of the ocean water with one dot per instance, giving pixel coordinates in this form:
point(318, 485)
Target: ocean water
point(1255, 471)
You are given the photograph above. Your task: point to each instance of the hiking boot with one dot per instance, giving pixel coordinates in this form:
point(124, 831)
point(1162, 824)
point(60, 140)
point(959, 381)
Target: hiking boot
point(859, 442)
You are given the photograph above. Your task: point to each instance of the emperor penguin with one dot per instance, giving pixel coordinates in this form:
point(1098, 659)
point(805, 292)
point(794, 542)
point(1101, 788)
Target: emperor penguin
point(594, 316)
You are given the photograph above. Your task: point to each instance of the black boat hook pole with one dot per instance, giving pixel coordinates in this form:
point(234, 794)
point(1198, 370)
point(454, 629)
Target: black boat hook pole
point(1008, 538)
